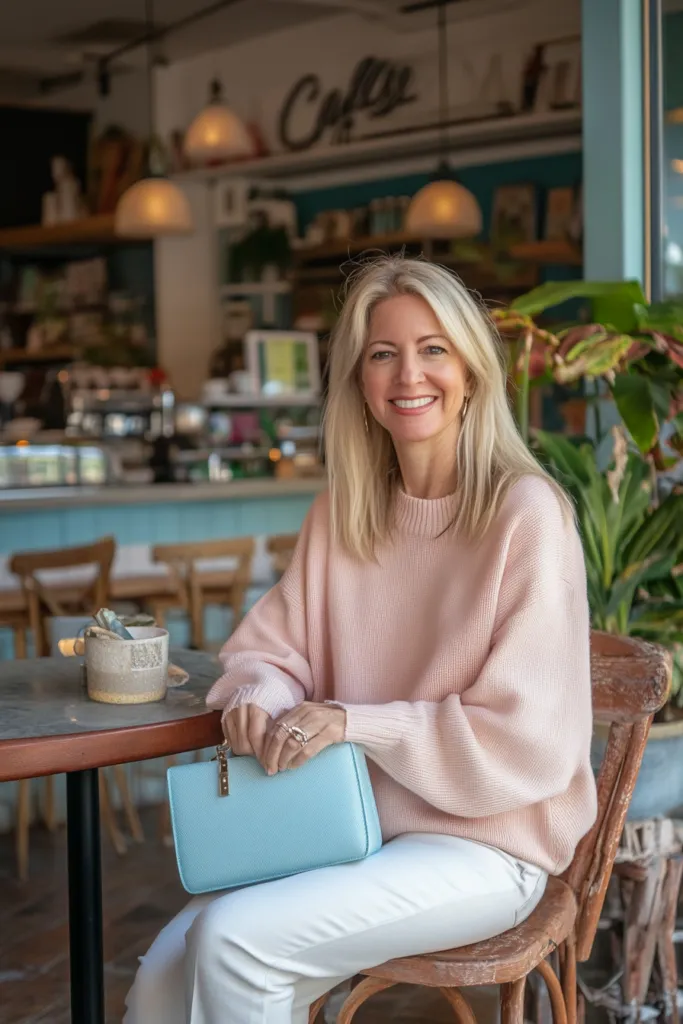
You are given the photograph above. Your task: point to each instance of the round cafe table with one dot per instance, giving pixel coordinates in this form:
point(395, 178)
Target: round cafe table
point(48, 725)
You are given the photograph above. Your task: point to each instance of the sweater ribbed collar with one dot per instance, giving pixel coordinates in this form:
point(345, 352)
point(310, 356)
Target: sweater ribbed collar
point(423, 517)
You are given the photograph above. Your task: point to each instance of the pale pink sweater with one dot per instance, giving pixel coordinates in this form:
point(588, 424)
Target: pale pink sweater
point(464, 669)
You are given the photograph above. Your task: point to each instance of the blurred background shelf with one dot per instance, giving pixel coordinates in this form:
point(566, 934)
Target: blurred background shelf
point(98, 229)
point(57, 354)
point(548, 252)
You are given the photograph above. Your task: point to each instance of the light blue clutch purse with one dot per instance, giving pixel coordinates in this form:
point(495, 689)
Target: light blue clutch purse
point(234, 825)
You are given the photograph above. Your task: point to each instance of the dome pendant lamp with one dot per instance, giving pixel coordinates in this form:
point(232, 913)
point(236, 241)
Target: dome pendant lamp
point(154, 206)
point(444, 208)
point(217, 134)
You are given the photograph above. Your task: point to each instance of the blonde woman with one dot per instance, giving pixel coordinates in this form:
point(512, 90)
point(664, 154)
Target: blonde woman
point(434, 613)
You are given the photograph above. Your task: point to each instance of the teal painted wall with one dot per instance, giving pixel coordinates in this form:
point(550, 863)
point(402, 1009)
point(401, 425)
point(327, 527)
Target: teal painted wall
point(154, 524)
point(544, 172)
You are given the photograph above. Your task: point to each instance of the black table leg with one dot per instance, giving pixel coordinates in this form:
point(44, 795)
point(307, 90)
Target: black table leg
point(85, 897)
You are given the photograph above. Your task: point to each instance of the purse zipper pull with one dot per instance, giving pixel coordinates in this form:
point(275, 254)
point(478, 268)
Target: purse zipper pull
point(223, 782)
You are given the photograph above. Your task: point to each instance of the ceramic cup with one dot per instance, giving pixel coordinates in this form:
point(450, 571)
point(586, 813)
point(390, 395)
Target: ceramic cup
point(128, 671)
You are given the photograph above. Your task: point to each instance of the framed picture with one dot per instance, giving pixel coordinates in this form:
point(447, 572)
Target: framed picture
point(513, 218)
point(559, 212)
point(283, 362)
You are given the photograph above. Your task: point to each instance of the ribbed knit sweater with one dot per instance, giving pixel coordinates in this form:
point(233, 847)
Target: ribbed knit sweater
point(463, 668)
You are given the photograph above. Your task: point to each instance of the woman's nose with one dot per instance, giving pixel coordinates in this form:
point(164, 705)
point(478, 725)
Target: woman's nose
point(409, 370)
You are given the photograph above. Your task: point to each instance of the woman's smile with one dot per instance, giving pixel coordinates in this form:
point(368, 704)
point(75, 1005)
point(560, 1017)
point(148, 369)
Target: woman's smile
point(413, 406)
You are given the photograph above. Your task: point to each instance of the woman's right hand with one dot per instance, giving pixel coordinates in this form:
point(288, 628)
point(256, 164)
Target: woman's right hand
point(246, 730)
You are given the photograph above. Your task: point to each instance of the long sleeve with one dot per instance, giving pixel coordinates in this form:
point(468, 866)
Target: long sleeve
point(520, 732)
point(265, 661)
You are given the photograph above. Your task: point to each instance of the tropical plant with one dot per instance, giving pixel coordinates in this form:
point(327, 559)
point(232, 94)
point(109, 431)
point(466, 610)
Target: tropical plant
point(635, 348)
point(633, 546)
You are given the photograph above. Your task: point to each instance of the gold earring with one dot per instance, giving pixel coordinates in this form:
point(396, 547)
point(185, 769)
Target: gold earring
point(465, 406)
point(365, 420)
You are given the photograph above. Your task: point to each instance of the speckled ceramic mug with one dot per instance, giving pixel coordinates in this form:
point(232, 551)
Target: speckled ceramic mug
point(128, 671)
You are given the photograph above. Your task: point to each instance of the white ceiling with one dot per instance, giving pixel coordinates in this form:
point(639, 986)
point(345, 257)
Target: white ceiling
point(32, 31)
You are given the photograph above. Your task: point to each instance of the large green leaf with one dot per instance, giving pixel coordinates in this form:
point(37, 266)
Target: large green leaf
point(660, 531)
point(624, 588)
point(603, 356)
point(616, 300)
point(571, 462)
point(634, 401)
point(665, 317)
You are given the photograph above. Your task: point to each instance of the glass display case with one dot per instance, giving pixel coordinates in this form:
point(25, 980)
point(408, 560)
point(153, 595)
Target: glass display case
point(52, 465)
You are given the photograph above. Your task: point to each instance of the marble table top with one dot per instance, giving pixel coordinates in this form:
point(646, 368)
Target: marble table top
point(49, 724)
point(47, 697)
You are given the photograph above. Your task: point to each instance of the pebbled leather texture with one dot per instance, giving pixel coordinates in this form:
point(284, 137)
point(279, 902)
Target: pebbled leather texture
point(320, 814)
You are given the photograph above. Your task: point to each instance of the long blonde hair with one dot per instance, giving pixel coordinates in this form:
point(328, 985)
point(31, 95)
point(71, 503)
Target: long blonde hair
point(361, 461)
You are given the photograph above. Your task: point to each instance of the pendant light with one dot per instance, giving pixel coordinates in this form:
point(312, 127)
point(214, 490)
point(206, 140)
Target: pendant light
point(444, 208)
point(217, 134)
point(154, 206)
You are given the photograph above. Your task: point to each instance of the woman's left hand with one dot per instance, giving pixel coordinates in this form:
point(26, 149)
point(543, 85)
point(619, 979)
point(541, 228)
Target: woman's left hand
point(323, 724)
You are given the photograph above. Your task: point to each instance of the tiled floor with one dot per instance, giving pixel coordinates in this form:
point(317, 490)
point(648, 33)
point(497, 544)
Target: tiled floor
point(141, 892)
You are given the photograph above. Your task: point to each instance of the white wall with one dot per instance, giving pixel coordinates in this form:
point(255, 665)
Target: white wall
point(257, 75)
point(126, 105)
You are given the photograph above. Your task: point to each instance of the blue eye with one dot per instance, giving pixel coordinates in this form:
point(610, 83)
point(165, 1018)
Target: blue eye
point(435, 350)
point(379, 356)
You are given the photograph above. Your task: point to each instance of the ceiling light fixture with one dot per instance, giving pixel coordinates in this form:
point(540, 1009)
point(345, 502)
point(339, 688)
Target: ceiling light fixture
point(154, 206)
point(217, 134)
point(444, 208)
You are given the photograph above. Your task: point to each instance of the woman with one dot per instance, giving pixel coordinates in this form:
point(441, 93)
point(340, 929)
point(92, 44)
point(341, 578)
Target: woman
point(435, 613)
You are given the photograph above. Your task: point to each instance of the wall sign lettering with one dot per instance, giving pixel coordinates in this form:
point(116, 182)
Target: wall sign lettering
point(377, 87)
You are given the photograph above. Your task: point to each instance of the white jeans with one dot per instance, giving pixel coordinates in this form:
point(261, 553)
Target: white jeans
point(263, 954)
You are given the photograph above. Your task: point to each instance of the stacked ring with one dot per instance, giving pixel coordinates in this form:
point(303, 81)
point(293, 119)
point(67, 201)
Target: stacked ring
point(296, 733)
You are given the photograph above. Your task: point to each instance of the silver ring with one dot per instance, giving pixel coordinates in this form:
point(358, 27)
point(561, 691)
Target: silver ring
point(296, 733)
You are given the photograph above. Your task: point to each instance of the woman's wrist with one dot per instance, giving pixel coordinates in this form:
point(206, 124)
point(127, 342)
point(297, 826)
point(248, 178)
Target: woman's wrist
point(272, 696)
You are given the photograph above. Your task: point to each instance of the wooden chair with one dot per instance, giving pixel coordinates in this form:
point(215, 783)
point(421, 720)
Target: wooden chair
point(281, 548)
point(45, 599)
point(630, 683)
point(197, 586)
point(14, 616)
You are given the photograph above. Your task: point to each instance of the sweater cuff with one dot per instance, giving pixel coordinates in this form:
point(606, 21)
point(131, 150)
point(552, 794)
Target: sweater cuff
point(373, 726)
point(273, 697)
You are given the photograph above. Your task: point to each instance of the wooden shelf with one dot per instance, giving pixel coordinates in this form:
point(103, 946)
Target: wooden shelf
point(92, 230)
point(58, 354)
point(340, 248)
point(548, 252)
point(527, 252)
point(521, 130)
point(257, 288)
point(260, 401)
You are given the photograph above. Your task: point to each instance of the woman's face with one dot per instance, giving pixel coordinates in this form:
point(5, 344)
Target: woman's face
point(413, 380)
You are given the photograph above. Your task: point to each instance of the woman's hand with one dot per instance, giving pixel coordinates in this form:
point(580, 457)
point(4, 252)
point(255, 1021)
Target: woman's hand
point(324, 724)
point(246, 730)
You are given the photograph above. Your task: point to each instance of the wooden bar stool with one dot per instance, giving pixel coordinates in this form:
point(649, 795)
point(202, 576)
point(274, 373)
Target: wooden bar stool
point(79, 585)
point(631, 680)
point(197, 585)
point(281, 548)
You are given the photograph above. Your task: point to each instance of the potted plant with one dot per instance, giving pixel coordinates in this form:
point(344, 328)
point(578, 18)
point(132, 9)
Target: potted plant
point(629, 506)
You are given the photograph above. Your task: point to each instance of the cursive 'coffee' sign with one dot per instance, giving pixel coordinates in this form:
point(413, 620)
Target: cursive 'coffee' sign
point(376, 88)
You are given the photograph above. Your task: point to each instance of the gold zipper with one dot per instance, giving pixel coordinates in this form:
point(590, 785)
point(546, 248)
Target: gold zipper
point(222, 758)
